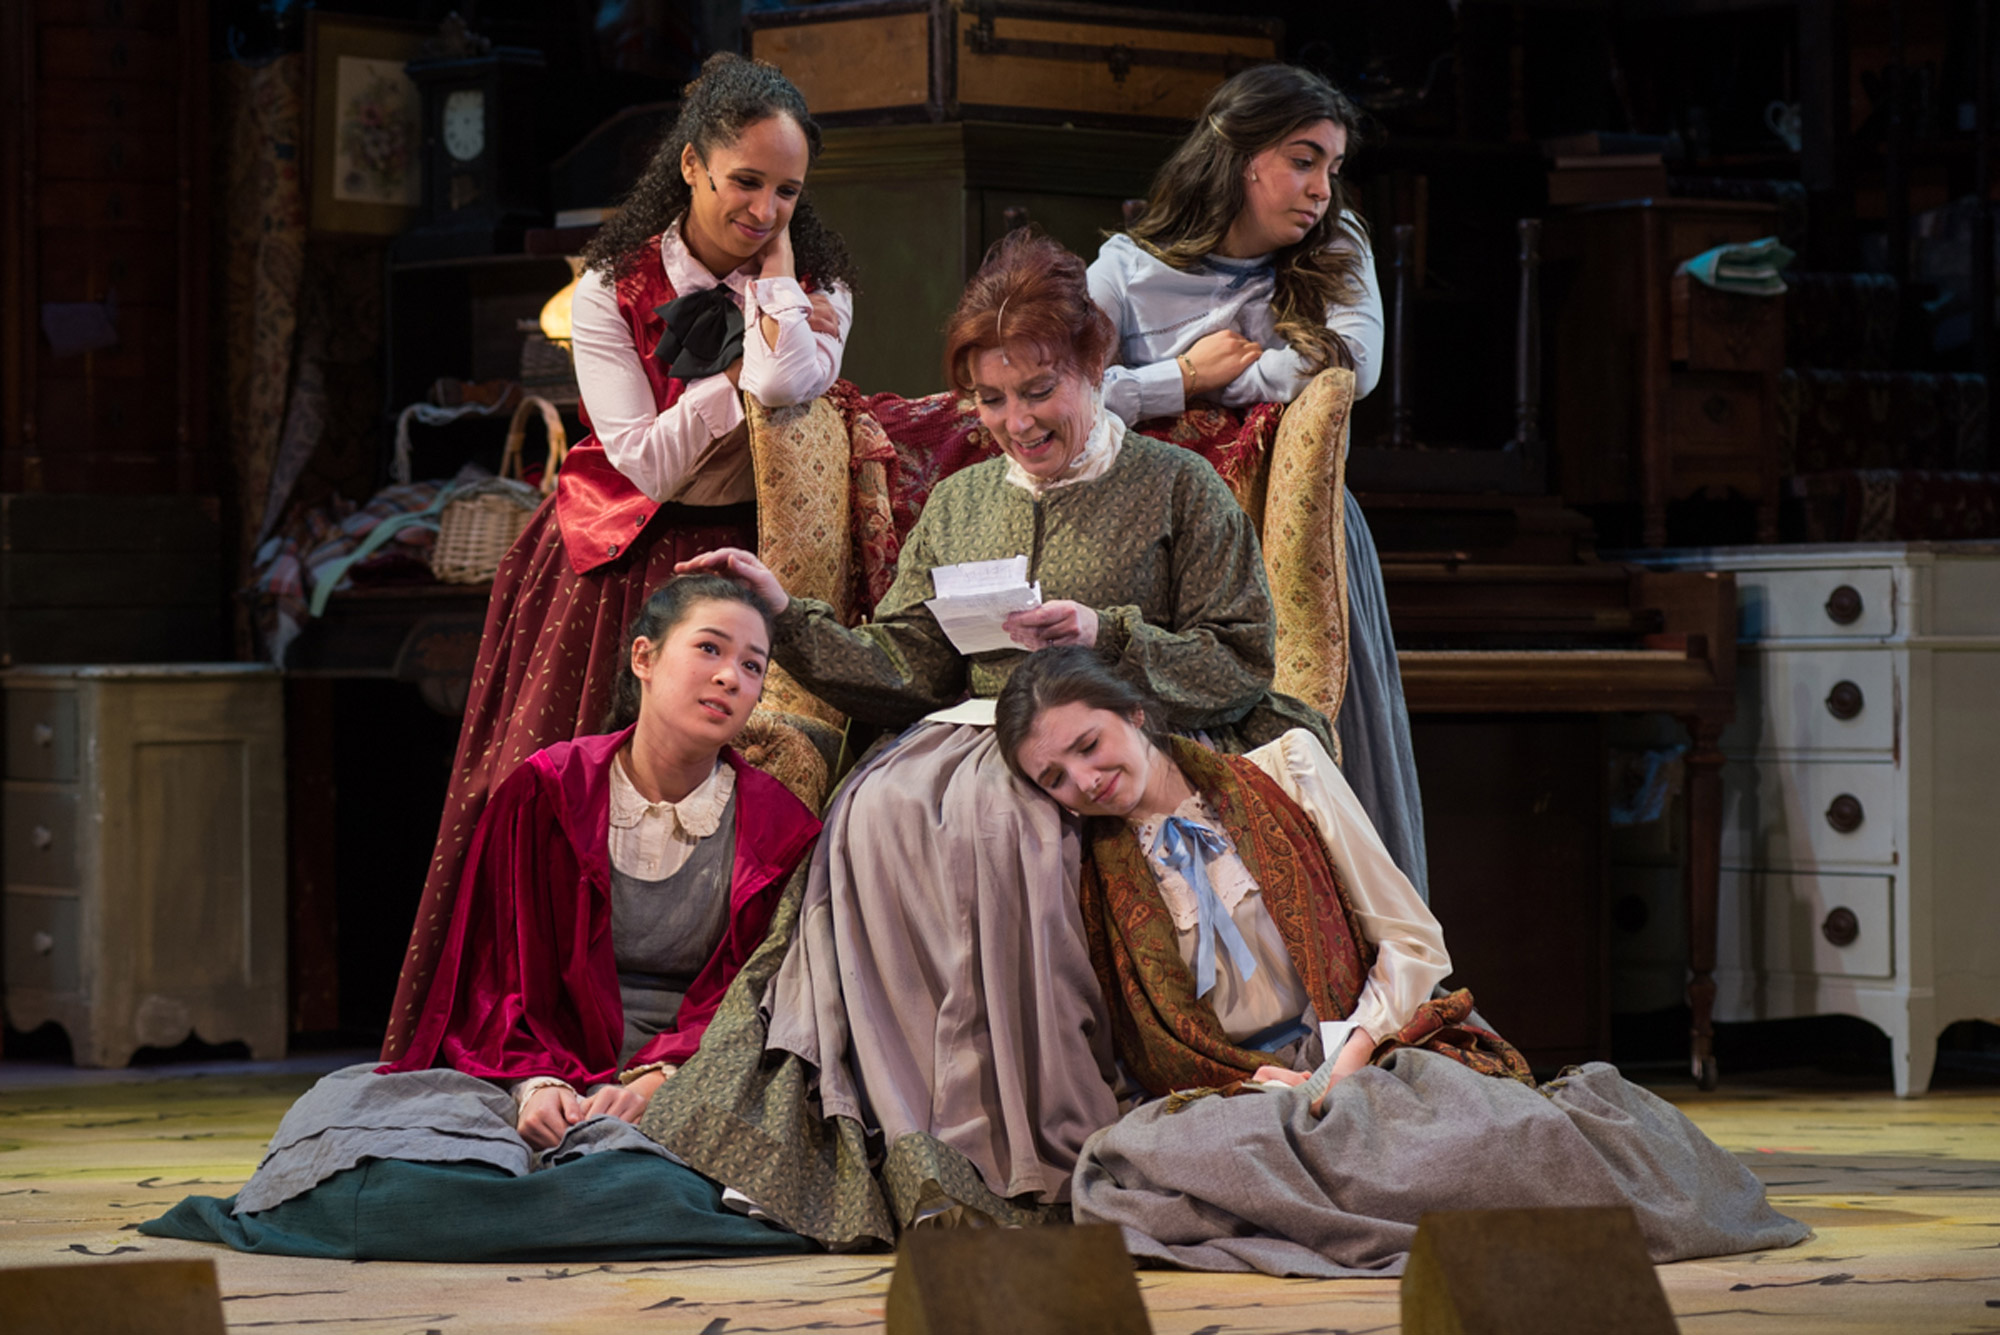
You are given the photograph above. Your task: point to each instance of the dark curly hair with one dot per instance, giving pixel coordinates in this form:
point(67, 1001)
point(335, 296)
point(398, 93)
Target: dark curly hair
point(1199, 192)
point(729, 96)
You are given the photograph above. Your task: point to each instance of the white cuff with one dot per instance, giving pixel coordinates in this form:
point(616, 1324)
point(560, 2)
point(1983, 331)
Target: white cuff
point(1160, 388)
point(534, 1084)
point(780, 294)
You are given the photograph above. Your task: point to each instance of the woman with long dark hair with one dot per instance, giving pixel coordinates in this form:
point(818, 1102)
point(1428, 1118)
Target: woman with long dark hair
point(714, 279)
point(1254, 941)
point(1249, 273)
point(612, 889)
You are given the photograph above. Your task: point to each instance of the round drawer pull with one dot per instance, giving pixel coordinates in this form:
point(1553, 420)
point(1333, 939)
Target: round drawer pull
point(42, 943)
point(43, 837)
point(1844, 814)
point(1841, 927)
point(1844, 700)
point(1844, 605)
point(45, 735)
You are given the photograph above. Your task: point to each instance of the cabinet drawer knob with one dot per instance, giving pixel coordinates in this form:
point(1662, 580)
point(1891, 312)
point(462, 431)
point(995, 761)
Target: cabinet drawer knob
point(42, 943)
point(1843, 605)
point(43, 837)
point(1841, 927)
point(1844, 700)
point(45, 735)
point(1845, 814)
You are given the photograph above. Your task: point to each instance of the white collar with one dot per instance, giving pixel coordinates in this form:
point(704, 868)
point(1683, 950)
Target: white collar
point(698, 815)
point(1094, 460)
point(688, 275)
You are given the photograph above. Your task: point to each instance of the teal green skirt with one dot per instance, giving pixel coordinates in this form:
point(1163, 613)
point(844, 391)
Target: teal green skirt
point(613, 1206)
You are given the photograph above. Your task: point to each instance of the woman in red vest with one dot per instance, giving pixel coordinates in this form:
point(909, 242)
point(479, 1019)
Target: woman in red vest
point(713, 280)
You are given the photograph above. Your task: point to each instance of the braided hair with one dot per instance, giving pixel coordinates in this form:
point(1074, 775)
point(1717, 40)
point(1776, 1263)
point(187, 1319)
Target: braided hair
point(729, 96)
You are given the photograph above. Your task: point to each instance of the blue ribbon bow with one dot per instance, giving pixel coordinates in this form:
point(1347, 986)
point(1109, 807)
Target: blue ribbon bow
point(1179, 842)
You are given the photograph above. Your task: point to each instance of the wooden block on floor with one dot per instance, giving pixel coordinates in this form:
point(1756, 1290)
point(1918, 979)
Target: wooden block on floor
point(1021, 1281)
point(1532, 1272)
point(115, 1298)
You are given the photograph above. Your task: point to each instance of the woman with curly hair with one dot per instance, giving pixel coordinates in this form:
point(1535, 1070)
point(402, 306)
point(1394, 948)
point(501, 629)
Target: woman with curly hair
point(1248, 274)
point(714, 279)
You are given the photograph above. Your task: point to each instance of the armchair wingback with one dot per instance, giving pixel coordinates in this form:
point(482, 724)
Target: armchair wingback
point(841, 480)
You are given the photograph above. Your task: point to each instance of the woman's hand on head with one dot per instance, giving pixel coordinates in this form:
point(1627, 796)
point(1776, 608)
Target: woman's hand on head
point(548, 1115)
point(1219, 358)
point(744, 567)
point(1059, 622)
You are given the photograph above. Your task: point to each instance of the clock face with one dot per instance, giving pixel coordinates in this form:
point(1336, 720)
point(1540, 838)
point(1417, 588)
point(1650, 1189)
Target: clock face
point(465, 123)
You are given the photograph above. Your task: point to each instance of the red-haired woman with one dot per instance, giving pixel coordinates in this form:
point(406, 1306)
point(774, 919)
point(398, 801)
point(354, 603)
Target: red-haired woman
point(715, 279)
point(939, 981)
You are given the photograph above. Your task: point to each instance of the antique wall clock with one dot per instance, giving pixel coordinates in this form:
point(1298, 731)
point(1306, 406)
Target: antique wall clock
point(483, 178)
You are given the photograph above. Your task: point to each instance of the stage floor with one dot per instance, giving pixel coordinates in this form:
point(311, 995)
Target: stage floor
point(1903, 1197)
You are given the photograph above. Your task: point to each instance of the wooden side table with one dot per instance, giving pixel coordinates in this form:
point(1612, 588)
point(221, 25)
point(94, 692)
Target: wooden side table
point(144, 853)
point(1660, 388)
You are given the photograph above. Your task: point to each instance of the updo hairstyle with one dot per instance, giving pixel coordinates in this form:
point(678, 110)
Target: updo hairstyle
point(1032, 290)
point(665, 608)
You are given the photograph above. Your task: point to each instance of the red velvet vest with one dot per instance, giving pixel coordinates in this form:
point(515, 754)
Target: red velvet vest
point(598, 509)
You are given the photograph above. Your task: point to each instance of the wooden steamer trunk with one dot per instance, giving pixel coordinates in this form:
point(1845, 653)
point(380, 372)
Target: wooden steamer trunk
point(915, 60)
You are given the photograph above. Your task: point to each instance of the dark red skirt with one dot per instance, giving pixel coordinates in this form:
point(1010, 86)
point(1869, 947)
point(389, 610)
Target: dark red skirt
point(548, 659)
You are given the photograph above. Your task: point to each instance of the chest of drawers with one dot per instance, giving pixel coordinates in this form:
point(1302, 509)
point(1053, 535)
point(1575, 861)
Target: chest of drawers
point(142, 830)
point(1859, 872)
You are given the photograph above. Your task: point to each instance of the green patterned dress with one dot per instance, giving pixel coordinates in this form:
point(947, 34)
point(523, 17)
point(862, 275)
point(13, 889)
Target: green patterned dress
point(937, 992)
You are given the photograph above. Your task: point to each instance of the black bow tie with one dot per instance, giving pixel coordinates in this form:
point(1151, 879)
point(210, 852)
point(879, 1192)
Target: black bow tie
point(704, 333)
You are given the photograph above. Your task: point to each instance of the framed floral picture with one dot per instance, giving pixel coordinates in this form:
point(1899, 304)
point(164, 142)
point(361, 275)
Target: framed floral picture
point(364, 164)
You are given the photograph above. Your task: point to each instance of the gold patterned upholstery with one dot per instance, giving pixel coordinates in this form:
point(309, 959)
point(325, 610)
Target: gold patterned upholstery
point(1305, 541)
point(809, 474)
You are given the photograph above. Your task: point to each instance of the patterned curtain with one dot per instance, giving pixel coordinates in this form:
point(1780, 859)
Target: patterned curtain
point(262, 128)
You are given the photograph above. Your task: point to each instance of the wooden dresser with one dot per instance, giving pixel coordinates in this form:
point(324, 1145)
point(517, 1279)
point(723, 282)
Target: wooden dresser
point(144, 848)
point(1660, 390)
point(1859, 813)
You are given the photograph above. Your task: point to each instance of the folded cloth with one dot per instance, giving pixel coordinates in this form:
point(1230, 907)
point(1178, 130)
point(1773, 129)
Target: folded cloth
point(1749, 267)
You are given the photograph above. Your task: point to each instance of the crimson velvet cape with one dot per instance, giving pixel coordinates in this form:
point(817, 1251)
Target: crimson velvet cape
point(527, 984)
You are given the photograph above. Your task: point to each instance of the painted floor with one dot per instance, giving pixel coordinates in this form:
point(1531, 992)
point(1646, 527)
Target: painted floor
point(1903, 1197)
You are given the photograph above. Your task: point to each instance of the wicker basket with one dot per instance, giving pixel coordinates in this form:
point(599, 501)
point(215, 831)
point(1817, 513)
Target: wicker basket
point(480, 522)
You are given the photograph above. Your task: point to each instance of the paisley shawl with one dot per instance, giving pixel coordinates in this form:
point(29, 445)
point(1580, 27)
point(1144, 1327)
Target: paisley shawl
point(1169, 1038)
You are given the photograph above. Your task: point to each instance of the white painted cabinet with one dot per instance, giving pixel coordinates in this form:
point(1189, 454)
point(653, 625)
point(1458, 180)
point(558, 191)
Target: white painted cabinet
point(144, 850)
point(1861, 822)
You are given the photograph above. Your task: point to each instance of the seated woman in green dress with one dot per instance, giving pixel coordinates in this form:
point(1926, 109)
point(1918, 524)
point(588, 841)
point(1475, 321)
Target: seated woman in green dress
point(1254, 939)
point(938, 985)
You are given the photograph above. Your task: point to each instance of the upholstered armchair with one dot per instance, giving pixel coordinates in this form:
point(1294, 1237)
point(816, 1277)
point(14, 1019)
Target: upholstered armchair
point(841, 480)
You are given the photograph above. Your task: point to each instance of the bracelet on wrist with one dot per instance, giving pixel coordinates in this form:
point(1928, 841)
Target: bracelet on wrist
point(1187, 373)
